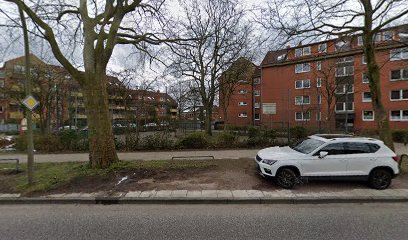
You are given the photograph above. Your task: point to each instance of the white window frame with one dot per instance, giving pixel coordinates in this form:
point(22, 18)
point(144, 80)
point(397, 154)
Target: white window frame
point(242, 81)
point(401, 117)
point(344, 71)
point(319, 65)
point(298, 52)
point(257, 81)
point(257, 119)
point(345, 59)
point(257, 105)
point(302, 84)
point(303, 116)
point(360, 41)
point(401, 73)
point(243, 115)
point(319, 99)
point(383, 35)
point(344, 89)
point(243, 103)
point(399, 54)
point(401, 96)
point(319, 47)
point(318, 82)
point(366, 99)
point(302, 100)
point(344, 107)
point(308, 52)
point(362, 78)
point(367, 119)
point(363, 60)
point(319, 116)
point(257, 93)
point(303, 68)
point(242, 91)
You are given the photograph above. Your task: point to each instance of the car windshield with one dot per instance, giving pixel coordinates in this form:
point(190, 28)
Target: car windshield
point(307, 146)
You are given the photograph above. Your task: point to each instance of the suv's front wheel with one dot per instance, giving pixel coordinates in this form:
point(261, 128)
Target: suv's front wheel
point(286, 178)
point(380, 179)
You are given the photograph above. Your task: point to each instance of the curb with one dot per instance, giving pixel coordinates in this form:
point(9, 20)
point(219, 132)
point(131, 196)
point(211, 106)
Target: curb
point(201, 200)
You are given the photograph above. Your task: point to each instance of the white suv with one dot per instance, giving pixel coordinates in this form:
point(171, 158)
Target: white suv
point(330, 156)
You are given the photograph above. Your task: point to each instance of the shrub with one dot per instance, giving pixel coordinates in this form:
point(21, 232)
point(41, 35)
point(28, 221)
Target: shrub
point(42, 143)
point(261, 138)
point(226, 139)
point(400, 136)
point(194, 140)
point(298, 132)
point(157, 141)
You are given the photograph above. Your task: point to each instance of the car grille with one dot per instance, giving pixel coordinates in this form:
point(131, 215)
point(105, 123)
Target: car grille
point(258, 158)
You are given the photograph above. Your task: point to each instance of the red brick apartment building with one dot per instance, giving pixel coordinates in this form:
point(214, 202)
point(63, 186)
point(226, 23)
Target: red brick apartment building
point(298, 83)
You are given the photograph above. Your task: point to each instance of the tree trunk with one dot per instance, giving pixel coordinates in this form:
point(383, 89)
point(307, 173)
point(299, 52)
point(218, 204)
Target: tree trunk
point(208, 115)
point(102, 151)
point(225, 118)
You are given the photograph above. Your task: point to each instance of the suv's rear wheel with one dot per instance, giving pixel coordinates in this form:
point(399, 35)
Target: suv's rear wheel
point(286, 178)
point(380, 179)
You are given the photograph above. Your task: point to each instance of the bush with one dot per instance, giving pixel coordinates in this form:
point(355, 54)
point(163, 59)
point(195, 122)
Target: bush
point(194, 140)
point(226, 139)
point(400, 136)
point(42, 143)
point(258, 137)
point(298, 132)
point(157, 141)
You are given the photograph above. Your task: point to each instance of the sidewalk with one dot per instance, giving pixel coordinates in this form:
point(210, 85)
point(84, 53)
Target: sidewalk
point(215, 197)
point(157, 155)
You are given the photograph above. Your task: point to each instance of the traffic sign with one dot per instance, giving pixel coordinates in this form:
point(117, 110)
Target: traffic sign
point(30, 102)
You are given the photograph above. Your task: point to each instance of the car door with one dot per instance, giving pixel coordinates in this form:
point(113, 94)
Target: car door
point(360, 159)
point(334, 164)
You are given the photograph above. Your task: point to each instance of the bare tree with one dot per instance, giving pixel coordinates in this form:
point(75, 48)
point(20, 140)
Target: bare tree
point(94, 29)
point(222, 36)
point(238, 74)
point(312, 19)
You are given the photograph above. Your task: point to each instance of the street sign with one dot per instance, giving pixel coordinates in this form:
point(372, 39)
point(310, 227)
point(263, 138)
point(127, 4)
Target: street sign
point(30, 102)
point(23, 124)
point(269, 108)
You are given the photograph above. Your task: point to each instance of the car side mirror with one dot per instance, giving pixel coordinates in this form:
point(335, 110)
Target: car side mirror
point(323, 154)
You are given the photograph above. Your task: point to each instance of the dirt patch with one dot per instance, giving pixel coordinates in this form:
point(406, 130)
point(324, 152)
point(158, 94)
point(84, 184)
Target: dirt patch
point(233, 174)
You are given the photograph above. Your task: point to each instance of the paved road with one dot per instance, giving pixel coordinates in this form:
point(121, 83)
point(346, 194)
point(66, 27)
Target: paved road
point(339, 221)
point(164, 155)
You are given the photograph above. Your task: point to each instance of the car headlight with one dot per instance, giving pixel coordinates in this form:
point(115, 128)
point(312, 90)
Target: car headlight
point(269, 162)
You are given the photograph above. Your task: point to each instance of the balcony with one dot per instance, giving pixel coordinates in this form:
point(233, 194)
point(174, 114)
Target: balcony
point(16, 115)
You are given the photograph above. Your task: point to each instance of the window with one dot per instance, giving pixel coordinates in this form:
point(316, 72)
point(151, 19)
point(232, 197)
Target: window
point(342, 45)
point(396, 95)
point(257, 92)
point(356, 148)
point(2, 83)
point(300, 84)
point(333, 149)
point(257, 116)
point(2, 75)
point(243, 115)
point(303, 67)
point(399, 115)
point(341, 89)
point(319, 99)
point(319, 65)
point(1, 109)
point(298, 52)
point(341, 106)
point(377, 37)
point(368, 115)
point(363, 59)
point(242, 91)
point(19, 69)
point(322, 48)
point(302, 116)
point(319, 116)
point(302, 100)
point(242, 103)
point(400, 74)
point(161, 99)
point(243, 81)
point(388, 35)
point(344, 60)
point(318, 82)
point(257, 81)
point(366, 96)
point(257, 105)
point(399, 54)
point(360, 41)
point(302, 51)
point(344, 71)
point(365, 78)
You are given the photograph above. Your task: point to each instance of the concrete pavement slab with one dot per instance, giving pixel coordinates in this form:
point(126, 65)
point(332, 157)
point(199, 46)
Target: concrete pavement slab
point(194, 194)
point(10, 195)
point(148, 194)
point(209, 193)
point(179, 193)
point(255, 193)
point(239, 194)
point(224, 193)
point(163, 194)
point(133, 194)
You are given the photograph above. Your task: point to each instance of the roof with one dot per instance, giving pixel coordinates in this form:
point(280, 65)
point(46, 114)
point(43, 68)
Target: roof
point(275, 56)
point(343, 138)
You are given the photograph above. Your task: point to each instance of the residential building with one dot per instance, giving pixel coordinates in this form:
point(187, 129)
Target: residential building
point(324, 84)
